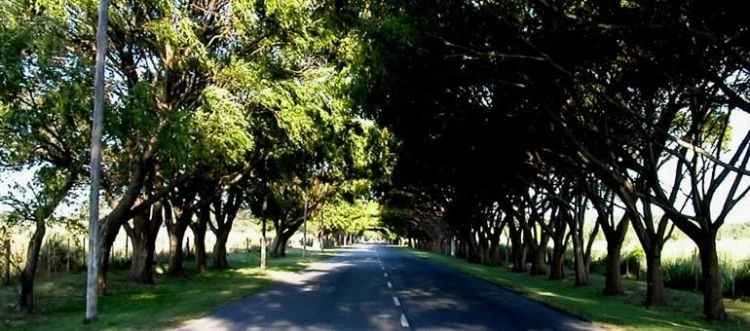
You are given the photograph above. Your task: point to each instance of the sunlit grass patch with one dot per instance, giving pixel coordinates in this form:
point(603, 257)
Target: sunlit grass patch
point(61, 301)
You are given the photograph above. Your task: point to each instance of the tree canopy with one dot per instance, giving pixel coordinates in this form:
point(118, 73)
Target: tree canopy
point(440, 121)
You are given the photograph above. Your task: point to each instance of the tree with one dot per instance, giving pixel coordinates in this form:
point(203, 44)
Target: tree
point(43, 102)
point(602, 200)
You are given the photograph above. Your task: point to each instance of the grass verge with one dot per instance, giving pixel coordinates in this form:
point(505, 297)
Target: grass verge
point(60, 298)
point(621, 313)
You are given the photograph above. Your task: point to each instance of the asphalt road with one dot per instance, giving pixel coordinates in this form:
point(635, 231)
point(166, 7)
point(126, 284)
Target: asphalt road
point(381, 288)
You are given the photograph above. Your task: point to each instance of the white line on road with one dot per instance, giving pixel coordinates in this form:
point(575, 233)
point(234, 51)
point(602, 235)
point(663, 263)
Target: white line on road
point(396, 302)
point(385, 274)
point(404, 322)
point(390, 285)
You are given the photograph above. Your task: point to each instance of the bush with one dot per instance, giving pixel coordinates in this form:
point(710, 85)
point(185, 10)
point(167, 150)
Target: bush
point(633, 262)
point(599, 265)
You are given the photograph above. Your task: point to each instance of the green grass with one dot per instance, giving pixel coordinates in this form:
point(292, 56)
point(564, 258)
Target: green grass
point(60, 298)
point(625, 312)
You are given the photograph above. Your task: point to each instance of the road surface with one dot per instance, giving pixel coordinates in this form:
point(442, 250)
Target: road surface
point(382, 288)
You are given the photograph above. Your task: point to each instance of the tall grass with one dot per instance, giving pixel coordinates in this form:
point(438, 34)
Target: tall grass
point(684, 272)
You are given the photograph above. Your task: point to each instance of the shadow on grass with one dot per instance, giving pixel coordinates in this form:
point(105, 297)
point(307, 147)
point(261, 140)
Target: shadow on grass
point(589, 303)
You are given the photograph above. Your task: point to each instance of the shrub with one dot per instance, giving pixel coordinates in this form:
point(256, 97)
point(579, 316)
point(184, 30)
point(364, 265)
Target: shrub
point(598, 265)
point(633, 262)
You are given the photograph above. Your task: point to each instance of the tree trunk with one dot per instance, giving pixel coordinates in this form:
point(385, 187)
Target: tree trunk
point(612, 282)
point(507, 251)
point(199, 229)
point(472, 251)
point(220, 250)
point(107, 232)
point(581, 274)
point(143, 235)
point(26, 297)
point(557, 270)
point(278, 246)
point(537, 262)
point(460, 249)
point(178, 216)
point(264, 246)
point(176, 254)
point(713, 303)
point(519, 257)
point(517, 249)
point(225, 211)
point(199, 245)
point(589, 245)
point(538, 254)
point(485, 253)
point(141, 266)
point(188, 251)
point(494, 254)
point(656, 294)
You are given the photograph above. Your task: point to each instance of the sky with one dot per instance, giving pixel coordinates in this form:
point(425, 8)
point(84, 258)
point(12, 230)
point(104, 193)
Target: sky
point(740, 122)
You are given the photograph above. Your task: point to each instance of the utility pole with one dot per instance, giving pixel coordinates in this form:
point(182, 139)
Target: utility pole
point(304, 229)
point(96, 162)
point(263, 236)
point(321, 237)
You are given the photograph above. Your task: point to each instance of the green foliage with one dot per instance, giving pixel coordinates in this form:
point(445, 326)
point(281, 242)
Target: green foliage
point(735, 231)
point(349, 218)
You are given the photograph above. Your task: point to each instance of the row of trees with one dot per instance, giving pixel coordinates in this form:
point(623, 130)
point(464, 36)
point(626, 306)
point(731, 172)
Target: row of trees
point(522, 116)
point(517, 115)
point(211, 107)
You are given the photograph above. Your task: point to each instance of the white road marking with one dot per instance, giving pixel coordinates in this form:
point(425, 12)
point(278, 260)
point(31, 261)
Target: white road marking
point(404, 322)
point(385, 274)
point(396, 302)
point(390, 285)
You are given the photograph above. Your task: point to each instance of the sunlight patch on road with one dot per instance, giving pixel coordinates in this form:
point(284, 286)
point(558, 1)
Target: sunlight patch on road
point(316, 270)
